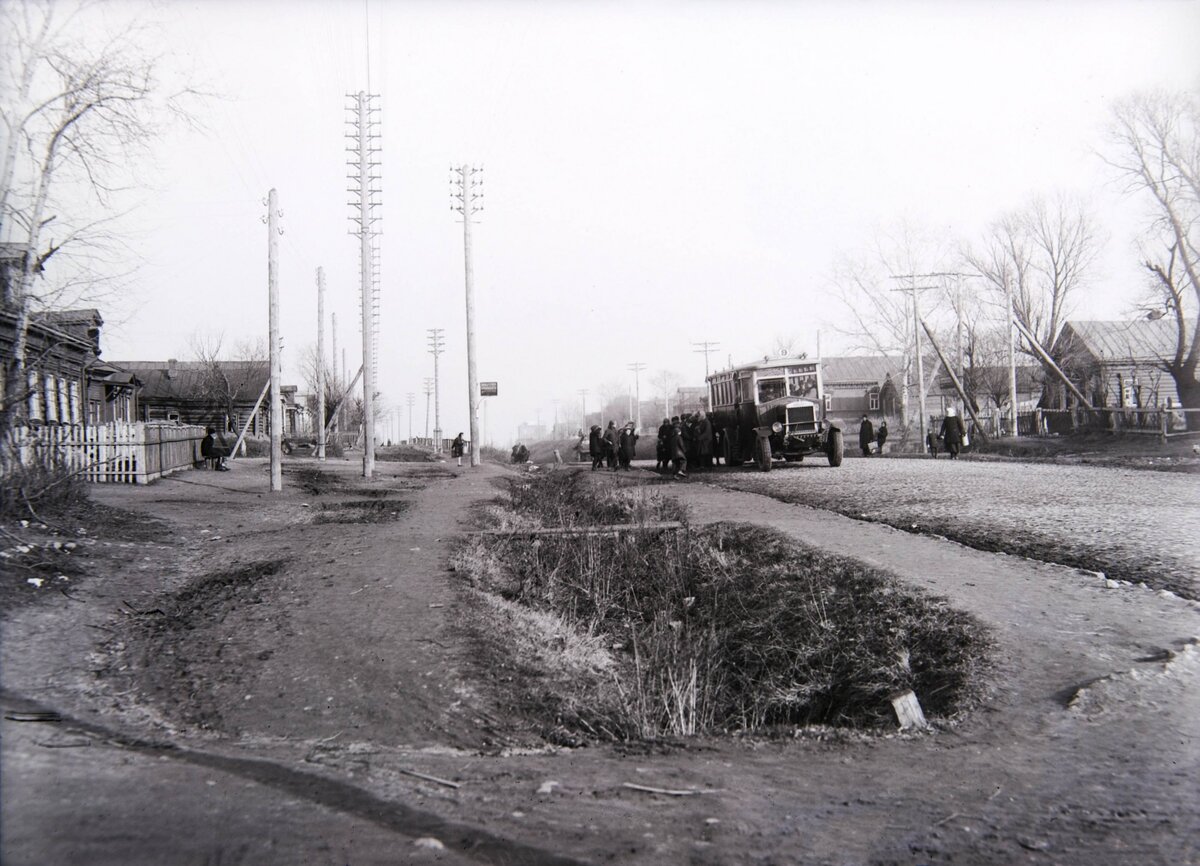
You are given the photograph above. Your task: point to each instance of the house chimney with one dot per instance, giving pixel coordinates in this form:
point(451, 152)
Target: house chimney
point(171, 363)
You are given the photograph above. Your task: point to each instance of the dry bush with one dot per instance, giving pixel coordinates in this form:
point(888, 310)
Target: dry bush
point(38, 485)
point(732, 627)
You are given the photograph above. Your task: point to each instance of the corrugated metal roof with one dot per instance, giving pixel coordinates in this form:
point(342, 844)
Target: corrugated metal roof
point(855, 369)
point(1139, 340)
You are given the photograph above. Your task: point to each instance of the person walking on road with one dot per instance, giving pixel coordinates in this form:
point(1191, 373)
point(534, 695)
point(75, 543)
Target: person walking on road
point(456, 448)
point(952, 432)
point(866, 435)
point(931, 443)
point(678, 449)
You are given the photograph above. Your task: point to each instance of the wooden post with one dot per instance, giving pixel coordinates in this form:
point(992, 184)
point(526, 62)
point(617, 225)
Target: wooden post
point(273, 340)
point(320, 364)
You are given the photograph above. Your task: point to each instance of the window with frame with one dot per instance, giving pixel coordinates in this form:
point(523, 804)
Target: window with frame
point(873, 401)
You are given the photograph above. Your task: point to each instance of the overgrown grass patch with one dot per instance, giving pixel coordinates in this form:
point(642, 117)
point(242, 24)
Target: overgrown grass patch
point(723, 628)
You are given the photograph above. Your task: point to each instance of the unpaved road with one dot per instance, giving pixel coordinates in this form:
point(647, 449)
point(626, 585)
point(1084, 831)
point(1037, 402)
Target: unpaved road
point(281, 719)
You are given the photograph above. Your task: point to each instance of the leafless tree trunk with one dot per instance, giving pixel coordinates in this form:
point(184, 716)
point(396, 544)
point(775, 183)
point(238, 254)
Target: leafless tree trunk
point(79, 107)
point(1156, 151)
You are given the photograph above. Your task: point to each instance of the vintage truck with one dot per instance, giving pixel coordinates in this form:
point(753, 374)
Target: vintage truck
point(773, 409)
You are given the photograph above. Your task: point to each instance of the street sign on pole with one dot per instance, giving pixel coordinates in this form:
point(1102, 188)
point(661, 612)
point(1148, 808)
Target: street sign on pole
point(489, 389)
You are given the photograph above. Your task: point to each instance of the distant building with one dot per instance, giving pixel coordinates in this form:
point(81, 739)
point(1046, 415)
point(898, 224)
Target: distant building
point(1115, 364)
point(531, 432)
point(857, 385)
point(688, 400)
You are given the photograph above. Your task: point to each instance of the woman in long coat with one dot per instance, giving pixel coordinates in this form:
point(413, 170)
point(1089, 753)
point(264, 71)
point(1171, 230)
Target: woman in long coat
point(679, 450)
point(596, 447)
point(611, 444)
point(952, 432)
point(628, 445)
point(662, 451)
point(866, 435)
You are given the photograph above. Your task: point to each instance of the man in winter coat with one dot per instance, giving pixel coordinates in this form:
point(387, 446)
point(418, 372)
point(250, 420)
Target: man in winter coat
point(866, 435)
point(612, 443)
point(952, 432)
point(662, 451)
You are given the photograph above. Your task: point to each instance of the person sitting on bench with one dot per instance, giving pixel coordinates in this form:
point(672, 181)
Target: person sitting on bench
point(214, 450)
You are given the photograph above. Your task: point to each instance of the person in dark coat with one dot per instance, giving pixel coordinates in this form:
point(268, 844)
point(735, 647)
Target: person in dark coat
point(596, 447)
point(627, 446)
point(214, 449)
point(704, 440)
point(612, 442)
point(678, 449)
point(952, 433)
point(662, 451)
point(456, 448)
point(866, 435)
point(931, 443)
point(881, 435)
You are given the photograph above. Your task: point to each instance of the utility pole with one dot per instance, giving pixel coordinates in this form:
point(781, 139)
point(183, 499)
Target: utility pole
point(1012, 358)
point(583, 392)
point(554, 429)
point(707, 348)
point(364, 179)
point(273, 233)
point(412, 398)
point(913, 288)
point(467, 198)
point(428, 393)
point(436, 347)
point(321, 364)
point(637, 367)
point(337, 381)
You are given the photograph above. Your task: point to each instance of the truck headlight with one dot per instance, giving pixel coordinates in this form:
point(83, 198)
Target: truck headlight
point(776, 427)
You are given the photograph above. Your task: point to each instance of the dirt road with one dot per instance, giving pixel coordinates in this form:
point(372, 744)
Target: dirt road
point(301, 672)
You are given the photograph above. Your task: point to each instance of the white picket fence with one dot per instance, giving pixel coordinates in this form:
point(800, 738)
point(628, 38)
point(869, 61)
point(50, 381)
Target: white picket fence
point(119, 453)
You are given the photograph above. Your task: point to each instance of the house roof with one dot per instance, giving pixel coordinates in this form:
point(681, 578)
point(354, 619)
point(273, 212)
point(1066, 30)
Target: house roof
point(185, 380)
point(1139, 340)
point(859, 369)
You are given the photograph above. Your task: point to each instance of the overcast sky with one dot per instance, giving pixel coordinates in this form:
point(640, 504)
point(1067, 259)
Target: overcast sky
point(656, 173)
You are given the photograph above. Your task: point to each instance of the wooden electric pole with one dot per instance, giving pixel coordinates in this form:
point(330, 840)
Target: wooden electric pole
point(320, 364)
point(637, 367)
point(436, 347)
point(707, 347)
point(412, 399)
point(273, 232)
point(914, 289)
point(469, 201)
point(365, 164)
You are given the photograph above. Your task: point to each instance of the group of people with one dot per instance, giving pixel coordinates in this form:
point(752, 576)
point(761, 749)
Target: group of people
point(868, 435)
point(613, 446)
point(686, 441)
point(952, 435)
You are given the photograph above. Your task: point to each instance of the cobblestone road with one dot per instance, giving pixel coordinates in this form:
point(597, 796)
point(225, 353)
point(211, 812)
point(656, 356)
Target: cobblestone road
point(1133, 525)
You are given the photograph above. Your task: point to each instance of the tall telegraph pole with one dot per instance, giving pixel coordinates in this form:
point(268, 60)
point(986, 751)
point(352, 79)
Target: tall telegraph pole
point(411, 398)
point(637, 367)
point(436, 347)
point(707, 347)
point(467, 194)
point(273, 232)
point(428, 394)
point(583, 392)
point(364, 178)
point(915, 291)
point(320, 364)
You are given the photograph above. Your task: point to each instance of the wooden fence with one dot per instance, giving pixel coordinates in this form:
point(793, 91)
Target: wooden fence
point(119, 453)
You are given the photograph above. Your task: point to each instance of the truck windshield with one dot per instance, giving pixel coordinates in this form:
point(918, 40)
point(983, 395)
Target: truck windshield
point(771, 389)
point(802, 386)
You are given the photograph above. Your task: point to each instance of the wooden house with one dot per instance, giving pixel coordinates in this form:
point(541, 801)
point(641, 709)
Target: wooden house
point(1115, 364)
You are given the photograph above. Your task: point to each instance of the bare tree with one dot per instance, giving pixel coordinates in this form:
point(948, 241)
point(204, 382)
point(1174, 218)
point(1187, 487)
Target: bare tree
point(79, 106)
point(228, 378)
point(1040, 256)
point(1156, 152)
point(881, 318)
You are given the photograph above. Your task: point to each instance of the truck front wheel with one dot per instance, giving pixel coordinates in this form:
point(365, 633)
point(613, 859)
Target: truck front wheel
point(834, 448)
point(762, 453)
